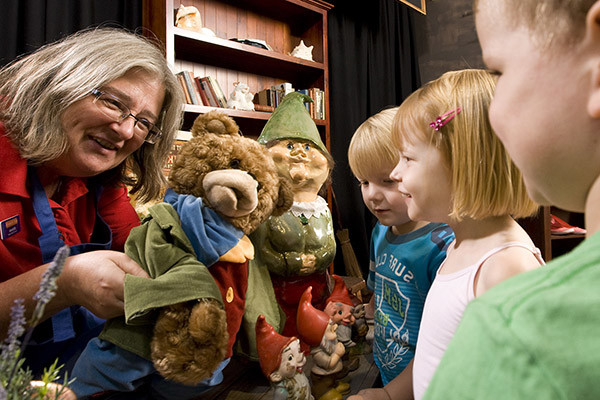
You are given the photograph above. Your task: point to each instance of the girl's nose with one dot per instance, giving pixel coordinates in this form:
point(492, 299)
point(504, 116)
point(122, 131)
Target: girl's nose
point(396, 174)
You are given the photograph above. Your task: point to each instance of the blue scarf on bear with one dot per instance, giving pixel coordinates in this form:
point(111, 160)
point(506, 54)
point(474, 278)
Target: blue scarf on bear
point(211, 235)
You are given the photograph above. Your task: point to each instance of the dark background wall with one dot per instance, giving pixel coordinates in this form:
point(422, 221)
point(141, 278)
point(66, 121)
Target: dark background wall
point(446, 38)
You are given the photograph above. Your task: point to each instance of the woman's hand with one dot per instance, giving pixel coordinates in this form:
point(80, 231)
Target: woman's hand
point(52, 389)
point(95, 280)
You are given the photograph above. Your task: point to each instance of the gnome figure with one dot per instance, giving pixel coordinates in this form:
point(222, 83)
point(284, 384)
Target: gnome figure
point(340, 309)
point(318, 331)
point(281, 361)
point(298, 246)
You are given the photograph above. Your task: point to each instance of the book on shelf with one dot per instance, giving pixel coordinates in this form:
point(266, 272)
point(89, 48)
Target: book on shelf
point(184, 88)
point(280, 90)
point(221, 99)
point(191, 82)
point(316, 109)
point(180, 139)
point(265, 108)
point(271, 97)
point(305, 91)
point(202, 92)
point(263, 97)
point(210, 93)
point(189, 87)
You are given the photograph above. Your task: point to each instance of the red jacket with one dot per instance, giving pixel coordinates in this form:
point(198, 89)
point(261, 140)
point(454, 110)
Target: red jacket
point(75, 214)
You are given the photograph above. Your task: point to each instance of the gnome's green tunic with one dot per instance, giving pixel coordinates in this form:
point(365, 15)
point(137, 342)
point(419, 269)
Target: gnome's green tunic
point(306, 229)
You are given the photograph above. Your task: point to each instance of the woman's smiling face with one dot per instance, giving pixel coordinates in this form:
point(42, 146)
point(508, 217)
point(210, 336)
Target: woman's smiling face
point(95, 142)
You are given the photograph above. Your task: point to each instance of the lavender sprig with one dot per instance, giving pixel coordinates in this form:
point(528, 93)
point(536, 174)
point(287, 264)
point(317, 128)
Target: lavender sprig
point(15, 330)
point(44, 294)
point(48, 285)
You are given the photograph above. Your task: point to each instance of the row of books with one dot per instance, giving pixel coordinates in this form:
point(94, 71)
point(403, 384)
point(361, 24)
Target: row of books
point(272, 96)
point(204, 91)
point(207, 91)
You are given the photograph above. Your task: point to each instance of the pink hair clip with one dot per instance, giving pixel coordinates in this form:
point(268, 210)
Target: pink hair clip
point(444, 119)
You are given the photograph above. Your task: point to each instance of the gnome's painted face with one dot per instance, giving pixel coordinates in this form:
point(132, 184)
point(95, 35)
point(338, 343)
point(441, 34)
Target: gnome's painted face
point(292, 361)
point(340, 313)
point(302, 162)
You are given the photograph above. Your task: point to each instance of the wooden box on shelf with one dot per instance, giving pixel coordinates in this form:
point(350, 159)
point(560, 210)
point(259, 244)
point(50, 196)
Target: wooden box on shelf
point(281, 24)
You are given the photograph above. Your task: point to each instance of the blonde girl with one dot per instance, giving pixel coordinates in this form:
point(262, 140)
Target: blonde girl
point(453, 169)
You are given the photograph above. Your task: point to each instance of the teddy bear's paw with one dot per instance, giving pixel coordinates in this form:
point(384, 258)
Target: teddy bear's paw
point(186, 367)
point(176, 353)
point(208, 324)
point(171, 321)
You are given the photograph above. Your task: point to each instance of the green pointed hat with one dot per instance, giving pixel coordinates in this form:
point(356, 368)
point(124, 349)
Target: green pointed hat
point(291, 120)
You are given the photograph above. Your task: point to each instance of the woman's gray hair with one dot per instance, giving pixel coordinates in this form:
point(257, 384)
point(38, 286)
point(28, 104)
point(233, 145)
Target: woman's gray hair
point(35, 91)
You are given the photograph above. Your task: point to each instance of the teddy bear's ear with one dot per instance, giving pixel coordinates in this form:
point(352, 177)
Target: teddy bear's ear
point(285, 198)
point(215, 122)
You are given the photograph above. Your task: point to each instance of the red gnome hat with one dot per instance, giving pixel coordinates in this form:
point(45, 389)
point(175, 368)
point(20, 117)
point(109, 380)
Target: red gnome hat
point(310, 322)
point(270, 345)
point(339, 294)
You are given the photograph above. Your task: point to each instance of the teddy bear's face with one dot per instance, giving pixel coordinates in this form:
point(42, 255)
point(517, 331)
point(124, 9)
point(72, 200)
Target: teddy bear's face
point(233, 175)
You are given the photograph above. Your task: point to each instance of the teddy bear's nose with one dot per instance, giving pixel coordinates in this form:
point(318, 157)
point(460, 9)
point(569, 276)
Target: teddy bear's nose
point(231, 192)
point(254, 177)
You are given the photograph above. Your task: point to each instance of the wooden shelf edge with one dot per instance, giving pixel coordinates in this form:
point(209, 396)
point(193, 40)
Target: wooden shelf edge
point(257, 115)
point(236, 47)
point(569, 236)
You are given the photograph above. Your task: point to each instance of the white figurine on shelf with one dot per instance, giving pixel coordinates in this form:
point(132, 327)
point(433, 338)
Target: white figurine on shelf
point(241, 98)
point(303, 51)
point(188, 17)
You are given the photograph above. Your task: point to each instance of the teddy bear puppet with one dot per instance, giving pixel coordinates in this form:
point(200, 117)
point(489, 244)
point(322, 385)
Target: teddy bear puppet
point(237, 181)
point(194, 246)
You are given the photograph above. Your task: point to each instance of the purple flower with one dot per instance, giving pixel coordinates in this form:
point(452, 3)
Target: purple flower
point(15, 330)
point(48, 286)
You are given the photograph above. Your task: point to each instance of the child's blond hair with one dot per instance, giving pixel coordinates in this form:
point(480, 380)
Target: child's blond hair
point(485, 181)
point(371, 148)
point(548, 20)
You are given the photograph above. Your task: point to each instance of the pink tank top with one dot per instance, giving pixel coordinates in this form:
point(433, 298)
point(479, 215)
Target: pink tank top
point(444, 306)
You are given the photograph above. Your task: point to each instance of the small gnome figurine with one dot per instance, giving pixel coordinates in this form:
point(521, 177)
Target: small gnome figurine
point(360, 330)
point(317, 330)
point(340, 309)
point(281, 361)
point(298, 246)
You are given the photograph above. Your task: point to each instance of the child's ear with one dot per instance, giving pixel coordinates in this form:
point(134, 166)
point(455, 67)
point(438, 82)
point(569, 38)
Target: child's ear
point(593, 38)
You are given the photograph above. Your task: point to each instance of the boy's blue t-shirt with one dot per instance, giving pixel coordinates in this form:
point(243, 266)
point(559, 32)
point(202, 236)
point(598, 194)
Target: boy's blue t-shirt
point(401, 270)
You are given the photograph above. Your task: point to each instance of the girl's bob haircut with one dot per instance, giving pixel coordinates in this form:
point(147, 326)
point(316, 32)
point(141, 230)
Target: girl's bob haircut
point(485, 181)
point(371, 148)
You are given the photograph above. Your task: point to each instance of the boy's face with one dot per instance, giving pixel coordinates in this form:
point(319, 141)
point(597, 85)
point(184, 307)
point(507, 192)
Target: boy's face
point(382, 197)
point(540, 107)
point(424, 181)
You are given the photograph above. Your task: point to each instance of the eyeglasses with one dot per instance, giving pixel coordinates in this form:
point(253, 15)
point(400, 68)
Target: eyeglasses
point(113, 108)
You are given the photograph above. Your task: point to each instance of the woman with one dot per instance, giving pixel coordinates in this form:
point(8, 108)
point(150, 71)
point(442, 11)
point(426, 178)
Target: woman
point(79, 119)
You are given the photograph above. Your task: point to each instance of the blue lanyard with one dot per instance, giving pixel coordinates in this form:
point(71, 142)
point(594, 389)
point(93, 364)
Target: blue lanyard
point(51, 240)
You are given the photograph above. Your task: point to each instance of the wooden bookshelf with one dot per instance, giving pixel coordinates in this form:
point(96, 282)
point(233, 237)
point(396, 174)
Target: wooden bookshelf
point(551, 245)
point(280, 23)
